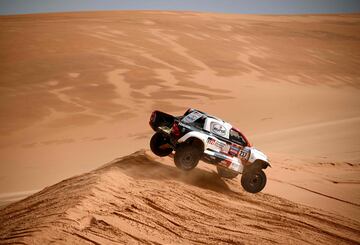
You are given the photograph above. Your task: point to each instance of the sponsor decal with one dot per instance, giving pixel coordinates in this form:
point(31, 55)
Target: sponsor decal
point(211, 141)
point(226, 163)
point(221, 156)
point(225, 149)
point(218, 129)
point(192, 117)
point(220, 144)
point(234, 150)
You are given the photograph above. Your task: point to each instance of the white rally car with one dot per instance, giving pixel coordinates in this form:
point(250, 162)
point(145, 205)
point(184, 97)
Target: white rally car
point(198, 136)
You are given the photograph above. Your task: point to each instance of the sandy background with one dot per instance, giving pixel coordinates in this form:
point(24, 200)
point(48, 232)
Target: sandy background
point(77, 90)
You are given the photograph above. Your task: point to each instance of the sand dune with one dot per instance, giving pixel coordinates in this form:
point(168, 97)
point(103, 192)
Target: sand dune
point(139, 199)
point(77, 89)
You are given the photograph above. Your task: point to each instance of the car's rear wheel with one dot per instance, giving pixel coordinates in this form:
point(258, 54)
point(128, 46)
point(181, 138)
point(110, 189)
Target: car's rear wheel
point(187, 157)
point(225, 173)
point(253, 181)
point(159, 145)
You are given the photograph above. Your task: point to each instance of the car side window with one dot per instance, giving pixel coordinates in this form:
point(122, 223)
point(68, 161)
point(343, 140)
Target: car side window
point(199, 123)
point(236, 137)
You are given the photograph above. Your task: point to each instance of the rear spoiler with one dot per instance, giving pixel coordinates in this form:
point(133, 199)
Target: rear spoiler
point(159, 118)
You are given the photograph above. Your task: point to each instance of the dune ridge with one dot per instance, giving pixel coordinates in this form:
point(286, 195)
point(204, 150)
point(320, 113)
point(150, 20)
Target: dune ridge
point(143, 199)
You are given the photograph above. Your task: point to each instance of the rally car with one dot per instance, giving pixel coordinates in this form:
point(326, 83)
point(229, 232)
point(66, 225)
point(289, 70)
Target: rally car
point(197, 136)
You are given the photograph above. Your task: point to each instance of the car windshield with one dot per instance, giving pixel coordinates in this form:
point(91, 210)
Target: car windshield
point(236, 137)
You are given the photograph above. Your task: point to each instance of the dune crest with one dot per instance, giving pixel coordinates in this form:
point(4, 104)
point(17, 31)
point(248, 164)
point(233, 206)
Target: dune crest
point(139, 198)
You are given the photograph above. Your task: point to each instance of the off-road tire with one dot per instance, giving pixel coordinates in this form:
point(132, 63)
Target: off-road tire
point(253, 181)
point(225, 173)
point(187, 157)
point(157, 141)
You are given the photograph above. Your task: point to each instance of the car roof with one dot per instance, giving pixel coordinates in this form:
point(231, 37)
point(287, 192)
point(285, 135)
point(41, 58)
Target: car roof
point(211, 116)
point(216, 118)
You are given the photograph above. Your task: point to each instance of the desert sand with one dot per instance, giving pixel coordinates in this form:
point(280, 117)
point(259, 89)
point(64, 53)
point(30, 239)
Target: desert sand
point(77, 90)
point(141, 199)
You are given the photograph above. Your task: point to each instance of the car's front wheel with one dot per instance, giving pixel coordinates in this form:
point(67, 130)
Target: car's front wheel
point(187, 157)
point(253, 181)
point(159, 145)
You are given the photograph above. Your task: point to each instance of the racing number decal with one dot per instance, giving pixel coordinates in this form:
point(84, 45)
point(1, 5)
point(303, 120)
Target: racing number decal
point(244, 154)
